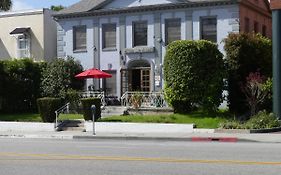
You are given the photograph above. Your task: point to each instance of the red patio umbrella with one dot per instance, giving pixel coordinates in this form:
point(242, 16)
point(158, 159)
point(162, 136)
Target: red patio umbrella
point(93, 73)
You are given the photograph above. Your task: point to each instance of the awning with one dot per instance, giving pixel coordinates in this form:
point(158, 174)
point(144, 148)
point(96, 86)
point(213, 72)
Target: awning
point(21, 30)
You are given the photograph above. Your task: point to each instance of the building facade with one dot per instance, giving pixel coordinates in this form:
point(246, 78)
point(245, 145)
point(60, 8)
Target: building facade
point(30, 33)
point(128, 38)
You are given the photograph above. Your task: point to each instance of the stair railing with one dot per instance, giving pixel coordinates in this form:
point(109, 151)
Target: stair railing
point(64, 108)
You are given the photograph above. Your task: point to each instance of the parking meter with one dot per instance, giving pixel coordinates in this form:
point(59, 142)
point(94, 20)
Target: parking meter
point(93, 108)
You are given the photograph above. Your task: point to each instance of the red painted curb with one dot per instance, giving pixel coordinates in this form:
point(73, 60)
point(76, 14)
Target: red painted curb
point(214, 139)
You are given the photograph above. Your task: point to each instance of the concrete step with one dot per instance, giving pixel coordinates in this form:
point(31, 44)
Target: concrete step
point(113, 110)
point(72, 125)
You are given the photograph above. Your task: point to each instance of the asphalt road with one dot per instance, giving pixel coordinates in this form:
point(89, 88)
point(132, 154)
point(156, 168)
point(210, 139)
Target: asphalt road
point(112, 157)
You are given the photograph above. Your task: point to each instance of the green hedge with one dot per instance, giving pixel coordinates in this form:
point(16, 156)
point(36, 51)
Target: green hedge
point(86, 105)
point(47, 107)
point(19, 85)
point(194, 72)
point(245, 53)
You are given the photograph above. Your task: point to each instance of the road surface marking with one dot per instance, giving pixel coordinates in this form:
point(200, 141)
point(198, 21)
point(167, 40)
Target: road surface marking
point(142, 159)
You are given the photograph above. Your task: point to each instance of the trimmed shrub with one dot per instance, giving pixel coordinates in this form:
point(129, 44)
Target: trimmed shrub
point(59, 76)
point(47, 107)
point(194, 72)
point(86, 105)
point(73, 97)
point(232, 125)
point(262, 120)
point(245, 53)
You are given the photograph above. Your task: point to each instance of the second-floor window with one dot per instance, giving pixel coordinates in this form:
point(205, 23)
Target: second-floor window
point(140, 33)
point(172, 30)
point(256, 27)
point(209, 28)
point(109, 36)
point(79, 38)
point(247, 25)
point(23, 46)
point(264, 31)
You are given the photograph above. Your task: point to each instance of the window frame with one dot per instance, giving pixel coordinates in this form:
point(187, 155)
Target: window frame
point(264, 30)
point(134, 23)
point(104, 36)
point(167, 20)
point(256, 27)
point(75, 29)
point(247, 25)
point(26, 39)
point(201, 26)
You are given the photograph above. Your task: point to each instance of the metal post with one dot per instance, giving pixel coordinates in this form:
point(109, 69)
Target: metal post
point(93, 108)
point(276, 39)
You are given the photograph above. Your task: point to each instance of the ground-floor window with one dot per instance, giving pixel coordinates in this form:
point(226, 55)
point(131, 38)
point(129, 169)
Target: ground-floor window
point(109, 84)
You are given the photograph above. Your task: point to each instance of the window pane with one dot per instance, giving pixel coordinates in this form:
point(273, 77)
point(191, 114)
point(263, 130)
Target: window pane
point(22, 44)
point(172, 30)
point(110, 84)
point(264, 30)
point(209, 29)
point(79, 36)
point(256, 27)
point(247, 25)
point(140, 33)
point(109, 35)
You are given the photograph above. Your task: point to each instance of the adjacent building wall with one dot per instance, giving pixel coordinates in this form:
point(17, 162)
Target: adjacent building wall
point(50, 35)
point(11, 20)
point(256, 10)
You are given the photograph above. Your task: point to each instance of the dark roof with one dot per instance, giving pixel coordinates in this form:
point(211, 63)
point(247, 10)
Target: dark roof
point(84, 6)
point(20, 30)
point(94, 7)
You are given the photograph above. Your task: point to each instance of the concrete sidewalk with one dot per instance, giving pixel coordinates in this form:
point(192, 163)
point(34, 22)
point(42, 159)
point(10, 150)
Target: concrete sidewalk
point(130, 131)
point(196, 136)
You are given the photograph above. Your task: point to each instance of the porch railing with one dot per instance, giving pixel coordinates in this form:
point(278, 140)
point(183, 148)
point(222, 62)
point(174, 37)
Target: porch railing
point(95, 94)
point(148, 99)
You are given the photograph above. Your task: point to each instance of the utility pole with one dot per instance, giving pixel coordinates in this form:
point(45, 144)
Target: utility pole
point(276, 53)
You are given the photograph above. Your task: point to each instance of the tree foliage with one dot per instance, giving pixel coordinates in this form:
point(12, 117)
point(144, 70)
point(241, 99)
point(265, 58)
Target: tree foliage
point(245, 53)
point(194, 72)
point(20, 84)
point(59, 76)
point(5, 5)
point(57, 8)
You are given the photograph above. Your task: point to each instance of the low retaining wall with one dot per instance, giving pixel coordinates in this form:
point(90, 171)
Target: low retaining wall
point(26, 126)
point(139, 128)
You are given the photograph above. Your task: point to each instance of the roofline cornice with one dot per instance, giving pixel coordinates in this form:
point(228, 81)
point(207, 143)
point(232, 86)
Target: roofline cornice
point(145, 9)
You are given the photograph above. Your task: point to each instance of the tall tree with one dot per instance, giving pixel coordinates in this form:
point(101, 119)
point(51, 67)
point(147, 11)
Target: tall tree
point(5, 5)
point(57, 8)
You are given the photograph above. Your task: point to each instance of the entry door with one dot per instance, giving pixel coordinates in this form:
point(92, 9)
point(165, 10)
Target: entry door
point(125, 80)
point(145, 80)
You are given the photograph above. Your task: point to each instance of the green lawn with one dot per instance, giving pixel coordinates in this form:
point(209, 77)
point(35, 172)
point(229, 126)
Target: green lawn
point(201, 120)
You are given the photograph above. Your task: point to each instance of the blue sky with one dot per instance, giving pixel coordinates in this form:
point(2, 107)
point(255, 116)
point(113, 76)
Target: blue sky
point(35, 4)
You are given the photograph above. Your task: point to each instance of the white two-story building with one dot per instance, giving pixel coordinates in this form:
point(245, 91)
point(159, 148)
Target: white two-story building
point(128, 38)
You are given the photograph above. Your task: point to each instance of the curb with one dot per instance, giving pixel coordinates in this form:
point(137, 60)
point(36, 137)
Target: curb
point(141, 138)
point(130, 138)
point(214, 139)
point(189, 139)
point(22, 136)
